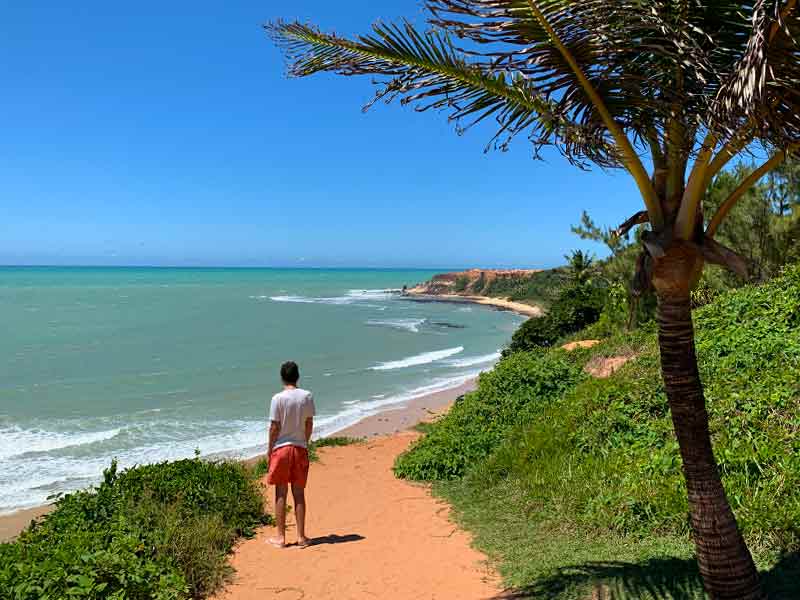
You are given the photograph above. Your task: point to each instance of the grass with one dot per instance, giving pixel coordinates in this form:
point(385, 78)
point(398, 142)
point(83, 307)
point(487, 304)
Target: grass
point(581, 485)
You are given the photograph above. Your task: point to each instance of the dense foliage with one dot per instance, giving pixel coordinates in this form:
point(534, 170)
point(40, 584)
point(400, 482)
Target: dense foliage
point(541, 288)
point(764, 226)
point(577, 307)
point(479, 422)
point(152, 532)
point(598, 458)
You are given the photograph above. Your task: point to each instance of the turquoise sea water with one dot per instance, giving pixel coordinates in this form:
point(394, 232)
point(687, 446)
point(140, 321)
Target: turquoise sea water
point(147, 364)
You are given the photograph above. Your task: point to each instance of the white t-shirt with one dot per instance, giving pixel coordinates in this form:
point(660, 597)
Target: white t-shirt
point(291, 408)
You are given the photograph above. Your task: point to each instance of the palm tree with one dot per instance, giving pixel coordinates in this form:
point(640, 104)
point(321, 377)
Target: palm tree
point(669, 90)
point(581, 265)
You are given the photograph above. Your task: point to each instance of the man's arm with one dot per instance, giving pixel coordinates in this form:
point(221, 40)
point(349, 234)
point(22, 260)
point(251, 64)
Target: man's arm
point(309, 429)
point(274, 432)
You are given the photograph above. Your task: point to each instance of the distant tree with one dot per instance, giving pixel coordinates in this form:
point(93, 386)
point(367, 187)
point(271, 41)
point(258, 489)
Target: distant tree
point(783, 188)
point(581, 267)
point(762, 226)
point(588, 230)
point(692, 84)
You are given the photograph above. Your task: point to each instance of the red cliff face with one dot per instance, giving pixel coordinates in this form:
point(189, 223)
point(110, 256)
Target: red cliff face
point(474, 282)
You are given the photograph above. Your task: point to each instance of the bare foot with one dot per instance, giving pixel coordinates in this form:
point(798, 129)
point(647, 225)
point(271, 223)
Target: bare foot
point(278, 542)
point(303, 542)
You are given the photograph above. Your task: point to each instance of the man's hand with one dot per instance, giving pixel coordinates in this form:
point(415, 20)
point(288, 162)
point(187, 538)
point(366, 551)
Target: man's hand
point(274, 432)
point(309, 429)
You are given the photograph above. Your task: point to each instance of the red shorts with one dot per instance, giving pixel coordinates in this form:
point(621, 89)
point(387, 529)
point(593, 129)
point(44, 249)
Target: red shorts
point(288, 465)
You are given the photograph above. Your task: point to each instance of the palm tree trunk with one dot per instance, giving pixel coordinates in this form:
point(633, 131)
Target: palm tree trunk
point(725, 563)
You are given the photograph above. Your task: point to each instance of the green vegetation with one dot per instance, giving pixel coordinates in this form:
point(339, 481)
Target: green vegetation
point(576, 307)
point(569, 480)
point(461, 284)
point(158, 532)
point(477, 424)
point(541, 288)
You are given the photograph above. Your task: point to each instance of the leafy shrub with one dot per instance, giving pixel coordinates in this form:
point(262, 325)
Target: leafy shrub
point(704, 293)
point(479, 422)
point(152, 532)
point(575, 308)
point(461, 284)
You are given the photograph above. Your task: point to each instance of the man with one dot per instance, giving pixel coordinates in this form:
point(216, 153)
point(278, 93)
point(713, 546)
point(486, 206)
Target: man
point(291, 416)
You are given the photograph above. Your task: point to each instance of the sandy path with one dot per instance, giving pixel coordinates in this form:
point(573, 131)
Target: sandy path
point(377, 537)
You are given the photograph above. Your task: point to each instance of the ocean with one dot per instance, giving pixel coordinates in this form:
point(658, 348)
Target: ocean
point(151, 364)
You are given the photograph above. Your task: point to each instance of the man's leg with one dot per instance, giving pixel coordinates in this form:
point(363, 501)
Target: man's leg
point(299, 495)
point(281, 492)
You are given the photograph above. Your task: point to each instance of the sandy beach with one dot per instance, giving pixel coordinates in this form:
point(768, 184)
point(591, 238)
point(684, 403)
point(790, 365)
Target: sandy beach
point(12, 524)
point(526, 310)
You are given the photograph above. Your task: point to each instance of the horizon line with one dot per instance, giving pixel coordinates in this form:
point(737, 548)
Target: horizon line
point(285, 267)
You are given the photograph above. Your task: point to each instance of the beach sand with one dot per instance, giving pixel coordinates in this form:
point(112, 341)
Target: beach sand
point(12, 524)
point(407, 414)
point(393, 419)
point(526, 310)
point(374, 536)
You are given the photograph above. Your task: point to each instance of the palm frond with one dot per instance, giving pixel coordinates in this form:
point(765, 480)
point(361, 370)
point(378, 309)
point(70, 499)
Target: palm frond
point(764, 86)
point(427, 70)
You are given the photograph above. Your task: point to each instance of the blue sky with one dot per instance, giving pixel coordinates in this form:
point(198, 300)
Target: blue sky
point(167, 133)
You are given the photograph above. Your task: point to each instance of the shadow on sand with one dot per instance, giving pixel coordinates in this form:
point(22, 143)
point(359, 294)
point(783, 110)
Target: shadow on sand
point(335, 539)
point(655, 579)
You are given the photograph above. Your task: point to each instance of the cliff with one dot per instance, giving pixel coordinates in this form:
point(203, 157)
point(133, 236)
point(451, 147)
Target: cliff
point(473, 282)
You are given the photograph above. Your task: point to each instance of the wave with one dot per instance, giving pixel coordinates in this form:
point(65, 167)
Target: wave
point(29, 480)
point(385, 294)
point(351, 297)
point(411, 325)
point(310, 300)
point(418, 359)
point(329, 425)
point(15, 441)
point(471, 361)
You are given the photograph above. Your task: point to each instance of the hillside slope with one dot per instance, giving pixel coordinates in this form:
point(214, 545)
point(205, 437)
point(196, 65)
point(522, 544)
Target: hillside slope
point(584, 484)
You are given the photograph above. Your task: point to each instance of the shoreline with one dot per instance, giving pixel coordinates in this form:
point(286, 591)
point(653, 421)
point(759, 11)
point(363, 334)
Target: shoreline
point(392, 420)
point(520, 308)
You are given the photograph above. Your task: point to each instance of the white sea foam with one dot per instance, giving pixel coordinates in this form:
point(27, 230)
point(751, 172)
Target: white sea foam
point(411, 325)
point(328, 425)
point(310, 300)
point(351, 297)
point(15, 441)
point(471, 361)
point(29, 480)
point(418, 359)
point(373, 294)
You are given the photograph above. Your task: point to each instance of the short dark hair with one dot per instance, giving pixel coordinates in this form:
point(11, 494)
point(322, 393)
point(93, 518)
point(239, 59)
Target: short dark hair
point(290, 372)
